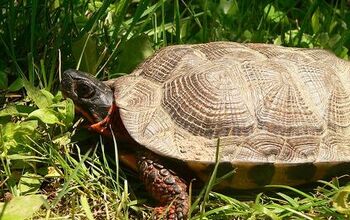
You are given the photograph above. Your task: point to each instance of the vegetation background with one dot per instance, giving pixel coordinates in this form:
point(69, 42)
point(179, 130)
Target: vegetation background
point(43, 173)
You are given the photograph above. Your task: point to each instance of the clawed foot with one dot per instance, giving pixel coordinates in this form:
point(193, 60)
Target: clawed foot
point(165, 186)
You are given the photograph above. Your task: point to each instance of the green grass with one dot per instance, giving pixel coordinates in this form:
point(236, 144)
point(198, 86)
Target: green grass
point(40, 146)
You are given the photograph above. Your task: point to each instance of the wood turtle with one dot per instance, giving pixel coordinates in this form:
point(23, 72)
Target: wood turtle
point(282, 116)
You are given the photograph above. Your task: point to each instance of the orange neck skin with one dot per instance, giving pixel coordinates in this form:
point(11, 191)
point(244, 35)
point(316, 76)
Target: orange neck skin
point(102, 127)
point(112, 122)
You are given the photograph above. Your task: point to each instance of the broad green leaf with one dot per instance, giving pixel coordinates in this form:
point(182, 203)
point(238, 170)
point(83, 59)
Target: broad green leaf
point(136, 50)
point(21, 207)
point(343, 52)
point(315, 21)
point(6, 139)
point(341, 201)
point(70, 111)
point(16, 110)
point(334, 40)
point(29, 183)
point(40, 99)
point(3, 80)
point(47, 94)
point(15, 134)
point(95, 5)
point(323, 39)
point(8, 130)
point(85, 49)
point(247, 34)
point(229, 7)
point(45, 115)
point(27, 127)
point(4, 120)
point(56, 4)
point(9, 111)
point(58, 97)
point(66, 110)
point(291, 36)
point(275, 15)
point(333, 26)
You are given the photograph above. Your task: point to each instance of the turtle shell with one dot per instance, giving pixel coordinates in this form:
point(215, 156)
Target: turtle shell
point(267, 104)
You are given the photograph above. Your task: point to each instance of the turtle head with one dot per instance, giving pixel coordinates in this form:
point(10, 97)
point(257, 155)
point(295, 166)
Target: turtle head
point(92, 98)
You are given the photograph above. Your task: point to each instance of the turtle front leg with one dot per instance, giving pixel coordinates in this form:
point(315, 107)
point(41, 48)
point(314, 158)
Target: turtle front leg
point(166, 187)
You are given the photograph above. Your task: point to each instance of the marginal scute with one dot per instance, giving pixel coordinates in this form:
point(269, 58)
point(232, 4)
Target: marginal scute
point(262, 174)
point(302, 171)
point(266, 103)
point(327, 152)
point(188, 146)
point(263, 146)
point(337, 144)
point(306, 148)
point(338, 169)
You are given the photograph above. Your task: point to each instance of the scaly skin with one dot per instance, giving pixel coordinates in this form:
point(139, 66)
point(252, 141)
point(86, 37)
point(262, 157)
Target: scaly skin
point(165, 186)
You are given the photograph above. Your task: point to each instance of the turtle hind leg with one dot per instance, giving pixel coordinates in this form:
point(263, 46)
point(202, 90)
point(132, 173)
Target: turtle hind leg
point(167, 188)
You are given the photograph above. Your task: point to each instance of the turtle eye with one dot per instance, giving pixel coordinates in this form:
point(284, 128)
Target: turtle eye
point(84, 91)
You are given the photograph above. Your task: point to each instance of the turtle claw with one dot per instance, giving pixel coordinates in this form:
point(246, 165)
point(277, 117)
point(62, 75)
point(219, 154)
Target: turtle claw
point(165, 186)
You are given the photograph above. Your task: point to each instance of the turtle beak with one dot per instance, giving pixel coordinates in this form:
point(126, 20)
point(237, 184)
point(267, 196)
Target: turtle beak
point(91, 97)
